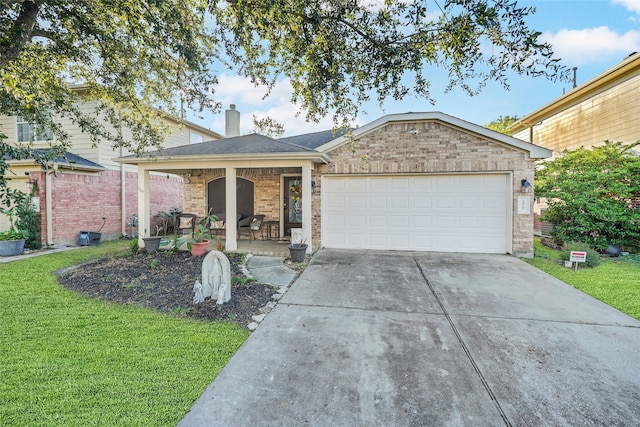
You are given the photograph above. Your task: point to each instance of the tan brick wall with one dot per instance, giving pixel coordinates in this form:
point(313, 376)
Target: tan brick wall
point(266, 191)
point(437, 148)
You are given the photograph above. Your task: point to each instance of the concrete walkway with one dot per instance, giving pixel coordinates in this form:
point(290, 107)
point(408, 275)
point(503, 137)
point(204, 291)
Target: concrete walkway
point(402, 339)
point(271, 270)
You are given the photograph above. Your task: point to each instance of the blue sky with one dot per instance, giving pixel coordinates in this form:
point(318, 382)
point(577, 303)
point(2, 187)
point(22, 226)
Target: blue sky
point(591, 35)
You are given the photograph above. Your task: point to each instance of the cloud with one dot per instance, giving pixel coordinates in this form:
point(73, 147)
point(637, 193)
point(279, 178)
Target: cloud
point(632, 5)
point(578, 47)
point(248, 99)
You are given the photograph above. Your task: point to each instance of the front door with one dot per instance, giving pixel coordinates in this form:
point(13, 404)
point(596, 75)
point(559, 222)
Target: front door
point(292, 203)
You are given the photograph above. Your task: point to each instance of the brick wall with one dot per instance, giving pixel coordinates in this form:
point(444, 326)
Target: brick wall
point(266, 190)
point(81, 201)
point(437, 148)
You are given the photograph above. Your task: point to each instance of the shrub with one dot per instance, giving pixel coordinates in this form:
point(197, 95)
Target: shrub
point(593, 257)
point(590, 195)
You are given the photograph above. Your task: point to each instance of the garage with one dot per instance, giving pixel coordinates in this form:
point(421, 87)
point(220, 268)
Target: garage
point(434, 212)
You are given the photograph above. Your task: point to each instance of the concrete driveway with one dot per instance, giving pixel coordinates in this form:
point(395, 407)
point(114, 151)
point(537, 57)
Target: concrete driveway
point(430, 339)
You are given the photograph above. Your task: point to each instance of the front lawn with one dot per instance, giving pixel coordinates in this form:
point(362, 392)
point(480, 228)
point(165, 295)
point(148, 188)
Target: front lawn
point(616, 281)
point(70, 360)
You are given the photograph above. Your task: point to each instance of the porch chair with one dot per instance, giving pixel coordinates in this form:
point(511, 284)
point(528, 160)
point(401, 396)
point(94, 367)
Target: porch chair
point(185, 222)
point(250, 225)
point(219, 226)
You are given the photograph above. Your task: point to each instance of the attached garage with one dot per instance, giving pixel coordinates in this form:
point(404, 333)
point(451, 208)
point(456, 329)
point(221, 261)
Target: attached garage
point(439, 212)
point(425, 182)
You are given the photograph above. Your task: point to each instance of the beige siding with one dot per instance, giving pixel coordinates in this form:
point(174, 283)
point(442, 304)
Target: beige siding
point(612, 114)
point(104, 153)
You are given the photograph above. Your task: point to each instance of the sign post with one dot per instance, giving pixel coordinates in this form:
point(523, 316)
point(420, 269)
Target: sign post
point(578, 256)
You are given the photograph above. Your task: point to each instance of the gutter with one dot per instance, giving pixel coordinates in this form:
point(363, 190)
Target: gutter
point(317, 158)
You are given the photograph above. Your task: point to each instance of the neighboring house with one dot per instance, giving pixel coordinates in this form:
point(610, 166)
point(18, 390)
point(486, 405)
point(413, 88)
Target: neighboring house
point(88, 191)
point(415, 181)
point(606, 107)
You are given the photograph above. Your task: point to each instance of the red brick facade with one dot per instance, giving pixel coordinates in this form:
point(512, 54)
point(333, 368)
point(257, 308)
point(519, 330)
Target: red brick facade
point(81, 201)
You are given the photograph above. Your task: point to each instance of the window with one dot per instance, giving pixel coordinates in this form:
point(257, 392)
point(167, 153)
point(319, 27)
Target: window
point(29, 132)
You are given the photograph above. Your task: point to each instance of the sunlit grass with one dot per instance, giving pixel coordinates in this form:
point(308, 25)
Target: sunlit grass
point(70, 360)
point(614, 282)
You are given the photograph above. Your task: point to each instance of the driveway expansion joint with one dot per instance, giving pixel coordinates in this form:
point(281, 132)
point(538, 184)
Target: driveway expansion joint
point(466, 350)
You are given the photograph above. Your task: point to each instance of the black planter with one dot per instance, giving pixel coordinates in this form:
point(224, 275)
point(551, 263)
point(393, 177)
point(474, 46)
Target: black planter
point(297, 252)
point(151, 244)
point(613, 250)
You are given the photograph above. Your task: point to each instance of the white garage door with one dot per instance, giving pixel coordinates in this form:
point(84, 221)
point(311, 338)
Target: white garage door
point(447, 213)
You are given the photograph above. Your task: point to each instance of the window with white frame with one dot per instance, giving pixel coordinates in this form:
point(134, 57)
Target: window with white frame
point(28, 132)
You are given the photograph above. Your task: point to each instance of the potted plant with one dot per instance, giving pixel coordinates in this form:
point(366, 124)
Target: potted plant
point(12, 240)
point(297, 251)
point(151, 244)
point(198, 242)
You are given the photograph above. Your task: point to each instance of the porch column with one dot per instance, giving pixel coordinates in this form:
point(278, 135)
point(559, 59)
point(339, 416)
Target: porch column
point(307, 222)
point(144, 223)
point(231, 234)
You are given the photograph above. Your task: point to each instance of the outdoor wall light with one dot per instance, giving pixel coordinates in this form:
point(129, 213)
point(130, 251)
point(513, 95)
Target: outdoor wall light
point(526, 186)
point(313, 186)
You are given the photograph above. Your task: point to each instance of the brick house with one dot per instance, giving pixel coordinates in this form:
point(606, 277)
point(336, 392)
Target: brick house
point(414, 181)
point(88, 191)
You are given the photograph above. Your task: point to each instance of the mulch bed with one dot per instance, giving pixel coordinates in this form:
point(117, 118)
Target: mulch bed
point(164, 281)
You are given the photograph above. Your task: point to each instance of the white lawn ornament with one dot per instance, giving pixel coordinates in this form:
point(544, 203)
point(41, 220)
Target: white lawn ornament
point(216, 277)
point(222, 290)
point(197, 293)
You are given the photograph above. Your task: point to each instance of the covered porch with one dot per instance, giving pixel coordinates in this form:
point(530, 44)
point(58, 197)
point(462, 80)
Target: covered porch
point(252, 175)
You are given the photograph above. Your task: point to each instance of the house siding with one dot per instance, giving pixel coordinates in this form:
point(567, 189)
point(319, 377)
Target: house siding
point(611, 114)
point(437, 148)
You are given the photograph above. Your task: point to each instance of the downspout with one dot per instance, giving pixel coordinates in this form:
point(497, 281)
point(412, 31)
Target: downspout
point(123, 187)
point(49, 205)
point(123, 198)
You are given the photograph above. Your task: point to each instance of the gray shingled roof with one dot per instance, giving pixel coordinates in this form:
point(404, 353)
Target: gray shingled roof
point(315, 139)
point(69, 159)
point(245, 144)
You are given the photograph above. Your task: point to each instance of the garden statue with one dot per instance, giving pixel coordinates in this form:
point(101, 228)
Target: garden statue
point(216, 277)
point(197, 293)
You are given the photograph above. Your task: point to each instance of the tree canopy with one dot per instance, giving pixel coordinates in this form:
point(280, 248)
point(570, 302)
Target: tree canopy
point(503, 124)
point(590, 195)
point(142, 59)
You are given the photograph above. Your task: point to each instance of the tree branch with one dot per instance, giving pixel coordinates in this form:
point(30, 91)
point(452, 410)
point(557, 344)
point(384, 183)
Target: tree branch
point(21, 32)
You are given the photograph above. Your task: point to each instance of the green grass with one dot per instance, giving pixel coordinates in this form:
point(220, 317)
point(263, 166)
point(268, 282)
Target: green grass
point(67, 360)
point(615, 281)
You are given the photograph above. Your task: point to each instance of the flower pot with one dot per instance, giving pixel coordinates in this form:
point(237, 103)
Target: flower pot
point(199, 249)
point(297, 252)
point(11, 247)
point(151, 244)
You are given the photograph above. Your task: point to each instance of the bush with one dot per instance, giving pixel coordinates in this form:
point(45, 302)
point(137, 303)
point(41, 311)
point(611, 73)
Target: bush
point(593, 257)
point(590, 195)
